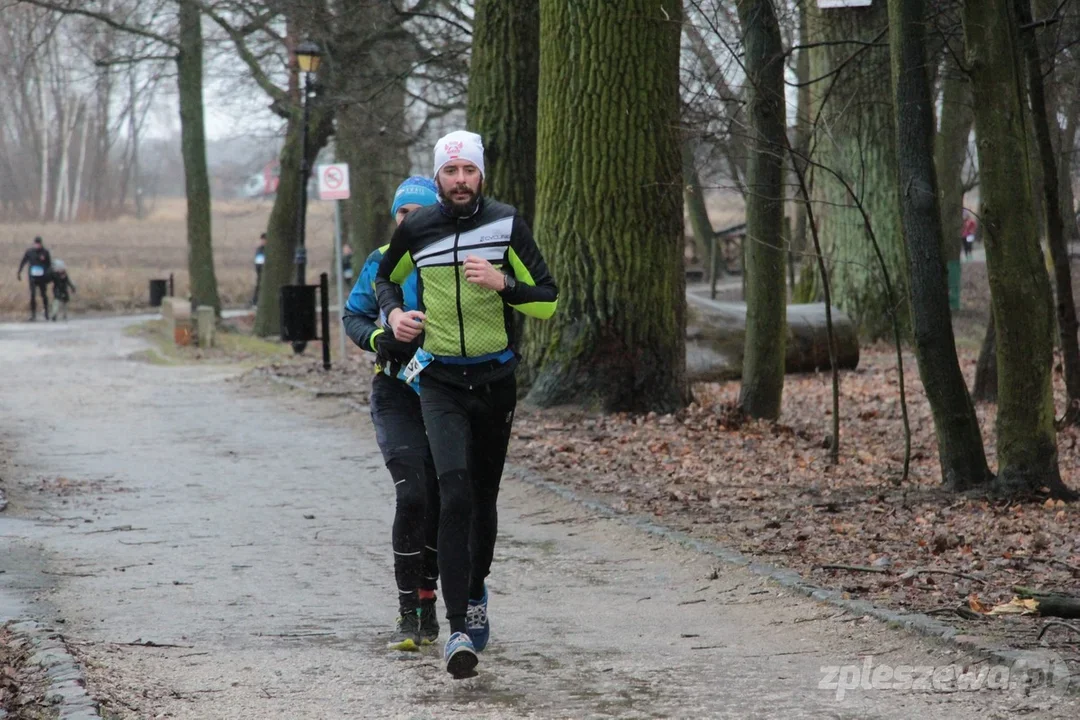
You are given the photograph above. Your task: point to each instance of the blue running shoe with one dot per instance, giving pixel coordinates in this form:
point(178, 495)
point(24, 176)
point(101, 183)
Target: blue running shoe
point(476, 622)
point(460, 656)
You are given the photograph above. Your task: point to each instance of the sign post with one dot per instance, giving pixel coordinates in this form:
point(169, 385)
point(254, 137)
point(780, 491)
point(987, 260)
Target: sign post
point(334, 185)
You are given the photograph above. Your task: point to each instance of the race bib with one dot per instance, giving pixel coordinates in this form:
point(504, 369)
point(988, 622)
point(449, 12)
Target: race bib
point(37, 271)
point(348, 273)
point(260, 259)
point(419, 361)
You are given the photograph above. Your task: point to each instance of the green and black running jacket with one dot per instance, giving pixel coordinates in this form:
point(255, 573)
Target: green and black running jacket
point(464, 321)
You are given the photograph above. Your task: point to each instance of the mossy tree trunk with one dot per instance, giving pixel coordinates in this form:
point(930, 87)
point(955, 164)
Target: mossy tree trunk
point(203, 281)
point(504, 78)
point(766, 294)
point(1019, 285)
point(960, 447)
point(609, 207)
point(855, 138)
point(1044, 106)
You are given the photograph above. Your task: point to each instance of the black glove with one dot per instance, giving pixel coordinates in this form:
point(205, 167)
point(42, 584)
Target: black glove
point(388, 346)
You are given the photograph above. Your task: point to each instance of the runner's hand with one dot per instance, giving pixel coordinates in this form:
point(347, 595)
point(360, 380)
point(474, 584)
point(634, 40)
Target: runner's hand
point(407, 325)
point(480, 272)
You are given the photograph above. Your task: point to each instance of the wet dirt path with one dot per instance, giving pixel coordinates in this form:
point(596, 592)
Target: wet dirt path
point(248, 526)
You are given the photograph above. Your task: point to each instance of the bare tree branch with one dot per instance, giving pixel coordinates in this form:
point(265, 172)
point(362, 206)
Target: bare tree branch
point(105, 18)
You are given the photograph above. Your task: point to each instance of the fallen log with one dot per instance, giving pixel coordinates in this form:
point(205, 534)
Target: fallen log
point(1051, 604)
point(716, 333)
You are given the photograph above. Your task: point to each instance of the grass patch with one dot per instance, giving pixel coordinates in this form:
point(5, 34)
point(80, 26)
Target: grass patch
point(231, 345)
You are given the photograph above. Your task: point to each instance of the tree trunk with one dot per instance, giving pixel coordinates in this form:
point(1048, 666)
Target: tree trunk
point(855, 138)
point(1066, 151)
point(766, 293)
point(76, 194)
point(986, 370)
point(67, 130)
point(950, 153)
point(202, 280)
point(1019, 285)
point(133, 128)
point(1042, 107)
point(371, 127)
point(960, 446)
point(373, 146)
point(100, 171)
point(43, 200)
point(281, 239)
point(700, 225)
point(609, 207)
point(504, 78)
point(803, 133)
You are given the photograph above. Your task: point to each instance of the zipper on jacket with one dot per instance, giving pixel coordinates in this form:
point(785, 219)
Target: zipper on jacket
point(457, 278)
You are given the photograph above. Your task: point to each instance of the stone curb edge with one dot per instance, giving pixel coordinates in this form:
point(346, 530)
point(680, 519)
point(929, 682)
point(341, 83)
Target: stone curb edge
point(67, 684)
point(789, 579)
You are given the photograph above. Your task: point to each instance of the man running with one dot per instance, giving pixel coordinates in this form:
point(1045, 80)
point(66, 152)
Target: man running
point(464, 320)
point(399, 429)
point(40, 264)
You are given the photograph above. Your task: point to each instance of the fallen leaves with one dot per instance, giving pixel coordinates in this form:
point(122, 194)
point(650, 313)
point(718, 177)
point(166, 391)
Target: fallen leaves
point(769, 490)
point(1016, 606)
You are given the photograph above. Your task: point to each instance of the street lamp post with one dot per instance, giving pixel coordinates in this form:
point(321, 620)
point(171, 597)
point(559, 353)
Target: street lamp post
point(308, 56)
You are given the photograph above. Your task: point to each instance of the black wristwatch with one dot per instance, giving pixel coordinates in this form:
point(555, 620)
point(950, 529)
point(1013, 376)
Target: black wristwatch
point(511, 282)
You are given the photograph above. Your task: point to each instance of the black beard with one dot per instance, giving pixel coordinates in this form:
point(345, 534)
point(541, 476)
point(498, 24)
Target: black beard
point(465, 209)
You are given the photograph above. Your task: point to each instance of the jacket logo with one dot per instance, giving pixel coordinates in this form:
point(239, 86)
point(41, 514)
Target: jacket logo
point(494, 238)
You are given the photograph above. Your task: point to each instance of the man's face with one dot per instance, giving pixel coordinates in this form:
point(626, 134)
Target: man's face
point(459, 184)
point(404, 210)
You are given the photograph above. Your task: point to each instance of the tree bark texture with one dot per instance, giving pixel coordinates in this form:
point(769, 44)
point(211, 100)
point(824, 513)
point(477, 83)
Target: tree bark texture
point(854, 136)
point(960, 447)
point(203, 281)
point(1019, 285)
point(803, 133)
point(766, 292)
point(504, 78)
point(950, 153)
point(609, 213)
point(1042, 108)
point(369, 79)
point(986, 378)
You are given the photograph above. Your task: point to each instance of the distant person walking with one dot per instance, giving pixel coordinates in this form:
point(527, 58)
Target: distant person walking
point(967, 233)
point(62, 289)
point(39, 261)
point(260, 260)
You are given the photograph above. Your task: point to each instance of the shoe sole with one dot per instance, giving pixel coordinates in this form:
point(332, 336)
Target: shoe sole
point(462, 664)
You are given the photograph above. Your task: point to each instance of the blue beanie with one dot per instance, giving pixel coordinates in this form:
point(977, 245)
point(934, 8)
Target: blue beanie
point(417, 189)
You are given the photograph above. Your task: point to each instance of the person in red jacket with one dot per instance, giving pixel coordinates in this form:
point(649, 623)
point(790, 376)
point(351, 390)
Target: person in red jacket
point(967, 233)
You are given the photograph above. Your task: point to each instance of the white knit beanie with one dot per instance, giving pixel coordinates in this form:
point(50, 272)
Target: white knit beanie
point(459, 145)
